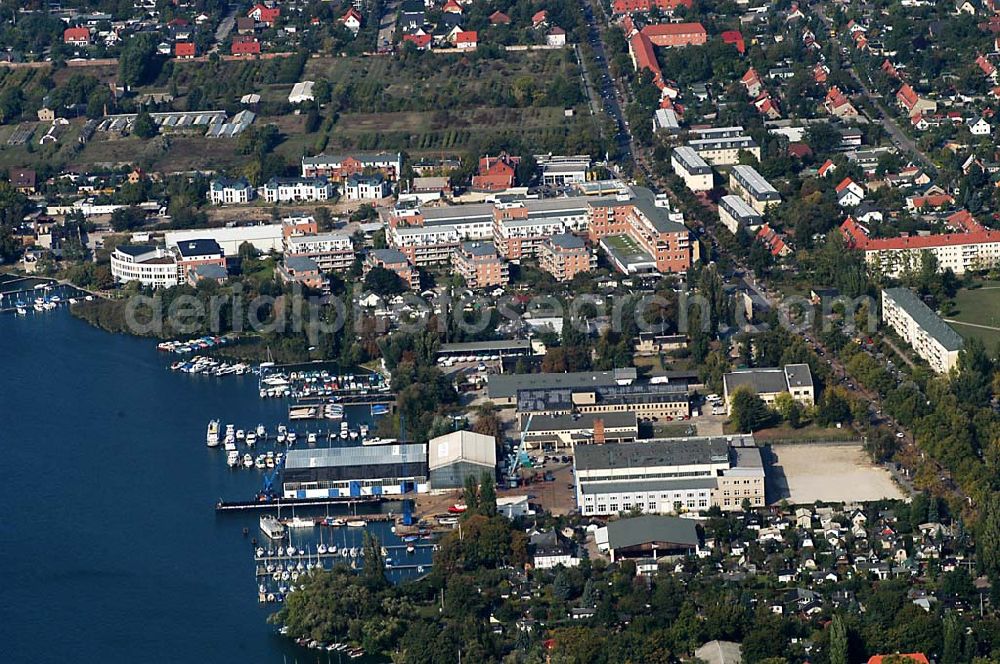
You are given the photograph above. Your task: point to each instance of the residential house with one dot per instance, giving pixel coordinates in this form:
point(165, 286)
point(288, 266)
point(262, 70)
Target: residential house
point(366, 187)
point(23, 180)
point(264, 14)
point(227, 191)
point(245, 45)
point(79, 36)
point(849, 193)
point(912, 103)
point(185, 50)
point(495, 173)
point(556, 37)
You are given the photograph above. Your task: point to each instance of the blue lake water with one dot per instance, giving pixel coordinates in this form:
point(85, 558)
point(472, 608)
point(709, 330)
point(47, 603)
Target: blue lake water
point(109, 542)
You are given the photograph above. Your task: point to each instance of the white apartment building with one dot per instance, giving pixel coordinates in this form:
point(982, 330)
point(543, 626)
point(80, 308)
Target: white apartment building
point(225, 191)
point(721, 146)
point(149, 265)
point(735, 213)
point(691, 168)
point(752, 186)
point(929, 336)
point(330, 251)
point(288, 190)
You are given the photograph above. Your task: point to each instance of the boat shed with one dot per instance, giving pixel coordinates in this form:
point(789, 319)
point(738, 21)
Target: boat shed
point(458, 455)
point(645, 536)
point(345, 472)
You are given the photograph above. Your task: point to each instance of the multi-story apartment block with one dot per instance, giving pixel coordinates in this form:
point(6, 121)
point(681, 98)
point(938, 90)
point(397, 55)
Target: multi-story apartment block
point(721, 146)
point(330, 251)
point(639, 235)
point(479, 265)
point(226, 191)
point(929, 336)
point(691, 168)
point(735, 213)
point(395, 261)
point(340, 166)
point(768, 382)
point(565, 255)
point(288, 190)
point(752, 186)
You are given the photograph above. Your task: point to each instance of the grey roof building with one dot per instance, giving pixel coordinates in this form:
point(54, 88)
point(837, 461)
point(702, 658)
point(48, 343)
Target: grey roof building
point(504, 387)
point(931, 338)
point(460, 454)
point(769, 382)
point(648, 536)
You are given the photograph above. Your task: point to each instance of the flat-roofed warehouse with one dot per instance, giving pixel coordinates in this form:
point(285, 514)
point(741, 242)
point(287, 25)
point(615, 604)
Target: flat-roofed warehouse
point(502, 388)
point(460, 454)
point(649, 401)
point(374, 470)
point(668, 475)
point(488, 350)
point(584, 428)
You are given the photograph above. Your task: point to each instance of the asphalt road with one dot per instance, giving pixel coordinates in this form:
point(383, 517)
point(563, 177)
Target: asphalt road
point(607, 86)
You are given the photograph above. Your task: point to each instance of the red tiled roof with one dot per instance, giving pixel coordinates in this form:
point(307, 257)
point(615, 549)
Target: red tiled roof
point(76, 34)
point(645, 58)
point(352, 13)
point(917, 657)
point(184, 49)
point(539, 17)
point(467, 37)
point(674, 29)
point(844, 184)
point(907, 96)
point(499, 18)
point(734, 37)
point(420, 41)
point(985, 65)
point(857, 238)
point(827, 165)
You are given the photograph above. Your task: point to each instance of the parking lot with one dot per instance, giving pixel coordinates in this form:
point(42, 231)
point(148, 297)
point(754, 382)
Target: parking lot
point(803, 473)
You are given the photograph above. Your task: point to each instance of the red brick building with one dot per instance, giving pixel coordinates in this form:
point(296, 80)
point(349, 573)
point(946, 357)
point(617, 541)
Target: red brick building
point(564, 256)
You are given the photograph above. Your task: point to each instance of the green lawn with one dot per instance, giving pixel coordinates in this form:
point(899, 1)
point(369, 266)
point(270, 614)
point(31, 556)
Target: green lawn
point(978, 306)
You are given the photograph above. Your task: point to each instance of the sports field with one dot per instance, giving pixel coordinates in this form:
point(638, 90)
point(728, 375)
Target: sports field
point(977, 314)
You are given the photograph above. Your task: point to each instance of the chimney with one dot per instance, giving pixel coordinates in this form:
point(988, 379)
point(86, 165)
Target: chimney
point(599, 431)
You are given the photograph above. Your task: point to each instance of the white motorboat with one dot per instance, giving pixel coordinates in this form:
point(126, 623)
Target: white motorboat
point(233, 459)
point(357, 523)
point(272, 527)
point(240, 434)
point(251, 439)
point(230, 445)
point(259, 463)
point(353, 434)
point(291, 438)
point(212, 437)
point(21, 311)
point(311, 438)
point(333, 411)
point(261, 431)
point(300, 522)
point(247, 461)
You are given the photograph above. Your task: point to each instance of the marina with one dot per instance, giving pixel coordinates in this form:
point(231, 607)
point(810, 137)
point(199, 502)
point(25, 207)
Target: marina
point(25, 296)
point(161, 415)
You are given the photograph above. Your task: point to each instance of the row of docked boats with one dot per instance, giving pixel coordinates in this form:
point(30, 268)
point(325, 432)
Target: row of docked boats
point(276, 529)
point(298, 384)
point(345, 648)
point(232, 435)
point(195, 345)
point(264, 461)
point(199, 364)
point(329, 411)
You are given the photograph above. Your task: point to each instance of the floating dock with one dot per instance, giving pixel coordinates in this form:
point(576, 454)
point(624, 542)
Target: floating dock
point(246, 505)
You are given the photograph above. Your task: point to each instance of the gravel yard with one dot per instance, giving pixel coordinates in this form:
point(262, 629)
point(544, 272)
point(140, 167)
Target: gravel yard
point(835, 472)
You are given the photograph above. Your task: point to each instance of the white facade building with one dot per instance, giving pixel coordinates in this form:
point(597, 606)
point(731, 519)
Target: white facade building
point(288, 190)
point(691, 168)
point(929, 336)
